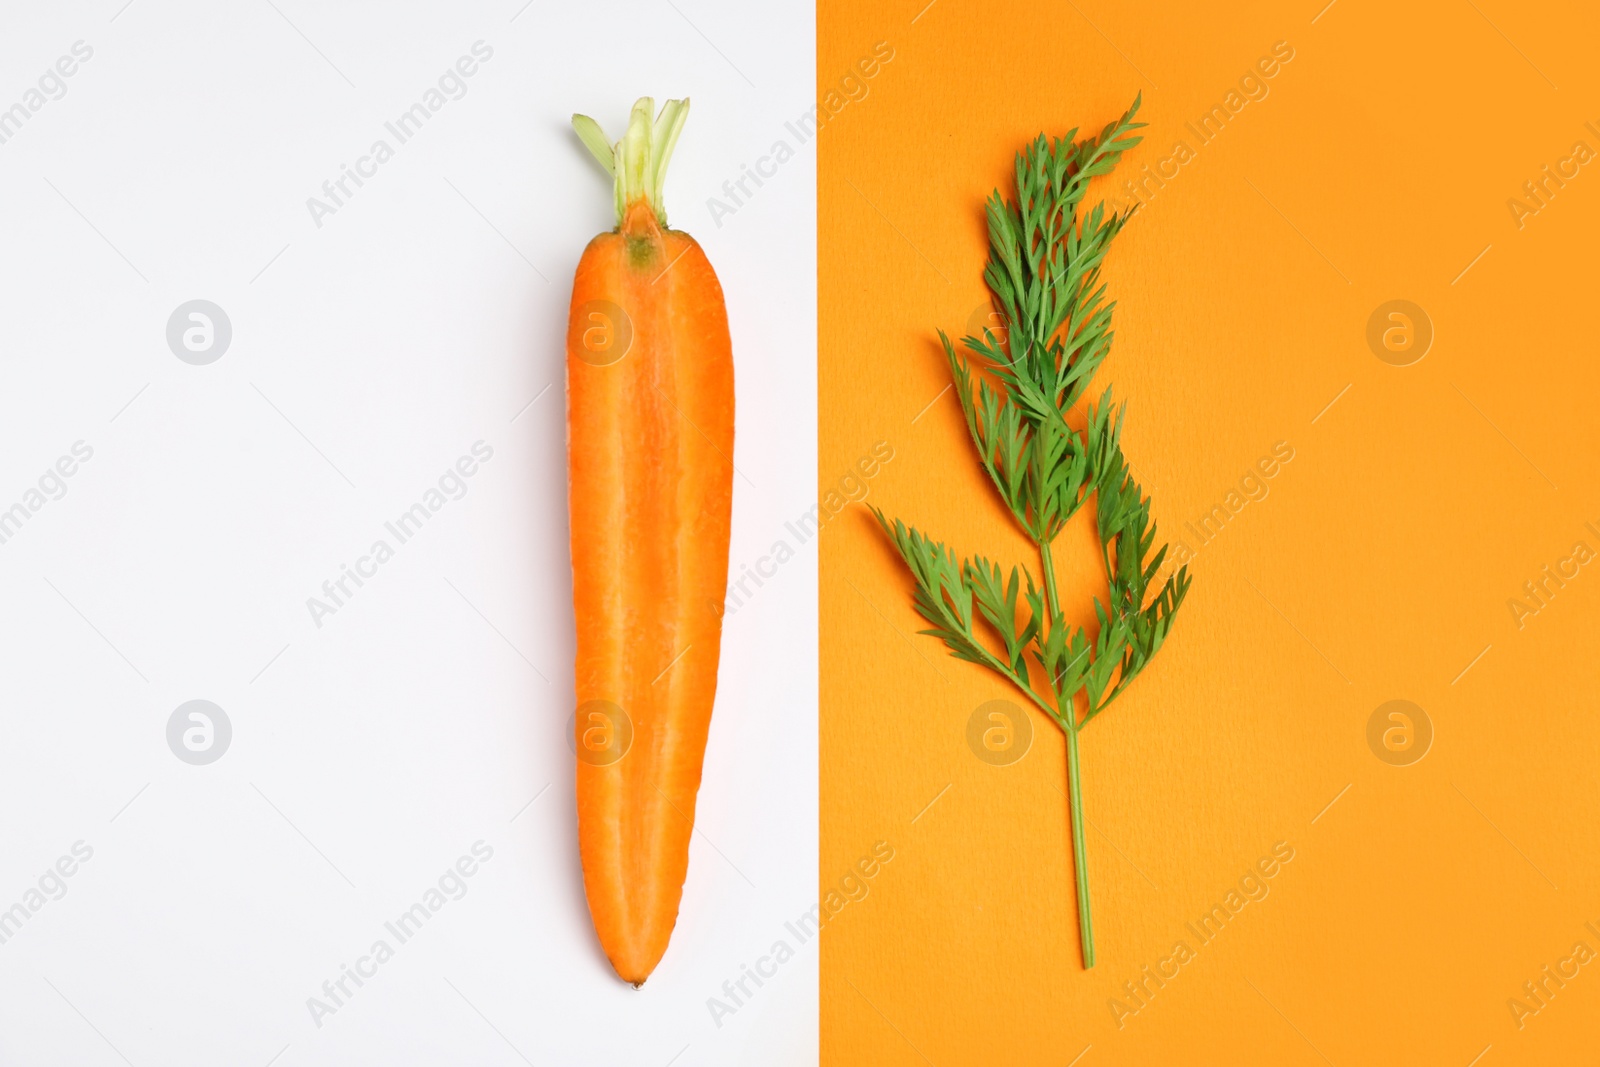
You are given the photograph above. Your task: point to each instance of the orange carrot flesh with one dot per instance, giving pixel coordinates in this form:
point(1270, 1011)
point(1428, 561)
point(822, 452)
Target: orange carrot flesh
point(650, 446)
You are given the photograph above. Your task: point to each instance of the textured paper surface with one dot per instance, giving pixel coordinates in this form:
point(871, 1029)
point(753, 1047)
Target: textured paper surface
point(1378, 567)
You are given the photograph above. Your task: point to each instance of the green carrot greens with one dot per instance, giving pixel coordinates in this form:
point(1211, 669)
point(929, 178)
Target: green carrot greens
point(1016, 392)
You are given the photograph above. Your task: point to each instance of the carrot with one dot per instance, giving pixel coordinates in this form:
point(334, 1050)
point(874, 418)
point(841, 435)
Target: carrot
point(649, 449)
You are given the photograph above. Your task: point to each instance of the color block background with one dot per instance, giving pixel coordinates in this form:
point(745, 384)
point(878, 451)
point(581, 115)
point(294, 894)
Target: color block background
point(372, 749)
point(1379, 566)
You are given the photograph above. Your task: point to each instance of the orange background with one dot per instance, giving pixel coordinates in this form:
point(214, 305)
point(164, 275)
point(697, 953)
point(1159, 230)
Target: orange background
point(1378, 568)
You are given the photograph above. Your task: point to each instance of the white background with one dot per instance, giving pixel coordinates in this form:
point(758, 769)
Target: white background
point(367, 356)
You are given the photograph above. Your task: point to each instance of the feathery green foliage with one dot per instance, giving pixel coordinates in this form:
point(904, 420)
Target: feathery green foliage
point(1017, 388)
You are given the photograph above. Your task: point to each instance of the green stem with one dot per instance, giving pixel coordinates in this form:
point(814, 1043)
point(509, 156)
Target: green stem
point(638, 162)
point(1080, 859)
point(1068, 720)
point(994, 664)
point(1050, 598)
point(1067, 713)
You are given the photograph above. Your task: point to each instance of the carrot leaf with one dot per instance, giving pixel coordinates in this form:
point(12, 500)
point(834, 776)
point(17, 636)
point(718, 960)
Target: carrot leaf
point(1019, 388)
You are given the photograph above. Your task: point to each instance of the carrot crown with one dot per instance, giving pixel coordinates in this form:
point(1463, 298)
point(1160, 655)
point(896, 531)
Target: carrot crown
point(637, 163)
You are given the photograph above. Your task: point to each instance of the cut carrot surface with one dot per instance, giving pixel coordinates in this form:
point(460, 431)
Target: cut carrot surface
point(650, 411)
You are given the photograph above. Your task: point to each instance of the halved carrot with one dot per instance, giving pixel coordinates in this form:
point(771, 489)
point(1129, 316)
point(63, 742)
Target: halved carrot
point(650, 446)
